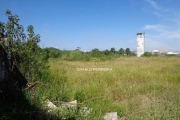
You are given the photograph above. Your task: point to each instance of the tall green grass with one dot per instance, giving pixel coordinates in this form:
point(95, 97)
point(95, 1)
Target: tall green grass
point(136, 88)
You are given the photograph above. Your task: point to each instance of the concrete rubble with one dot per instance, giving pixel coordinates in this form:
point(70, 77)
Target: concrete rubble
point(70, 104)
point(50, 105)
point(110, 116)
point(84, 110)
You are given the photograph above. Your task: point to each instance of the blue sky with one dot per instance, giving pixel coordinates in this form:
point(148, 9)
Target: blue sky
point(102, 24)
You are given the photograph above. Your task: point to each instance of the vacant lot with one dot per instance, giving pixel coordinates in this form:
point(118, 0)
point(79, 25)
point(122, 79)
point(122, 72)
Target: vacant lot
point(135, 88)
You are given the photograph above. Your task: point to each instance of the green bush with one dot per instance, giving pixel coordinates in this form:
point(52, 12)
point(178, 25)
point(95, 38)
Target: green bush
point(26, 56)
point(147, 54)
point(75, 55)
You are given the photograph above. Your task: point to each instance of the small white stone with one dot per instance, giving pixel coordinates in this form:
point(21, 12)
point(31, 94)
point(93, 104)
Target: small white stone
point(50, 105)
point(110, 116)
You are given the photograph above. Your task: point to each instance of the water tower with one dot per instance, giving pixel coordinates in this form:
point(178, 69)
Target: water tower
point(140, 43)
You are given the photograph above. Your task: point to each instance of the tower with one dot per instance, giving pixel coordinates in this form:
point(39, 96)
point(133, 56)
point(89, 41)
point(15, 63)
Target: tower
point(140, 44)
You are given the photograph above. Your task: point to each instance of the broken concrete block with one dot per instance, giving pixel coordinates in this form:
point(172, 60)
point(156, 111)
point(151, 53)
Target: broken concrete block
point(50, 105)
point(70, 104)
point(110, 116)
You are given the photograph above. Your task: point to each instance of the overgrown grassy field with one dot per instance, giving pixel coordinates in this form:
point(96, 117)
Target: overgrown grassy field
point(135, 88)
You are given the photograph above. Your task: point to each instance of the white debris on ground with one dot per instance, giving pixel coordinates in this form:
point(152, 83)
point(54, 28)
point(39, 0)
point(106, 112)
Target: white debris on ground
point(110, 116)
point(70, 104)
point(86, 111)
point(50, 105)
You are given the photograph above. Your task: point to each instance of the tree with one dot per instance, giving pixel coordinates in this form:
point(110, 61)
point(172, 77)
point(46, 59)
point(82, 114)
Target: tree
point(95, 52)
point(113, 50)
point(128, 51)
point(78, 48)
point(106, 52)
point(53, 52)
point(24, 52)
point(121, 51)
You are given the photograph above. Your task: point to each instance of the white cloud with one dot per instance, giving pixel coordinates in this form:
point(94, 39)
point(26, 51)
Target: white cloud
point(174, 35)
point(157, 7)
point(152, 44)
point(157, 14)
point(154, 4)
point(163, 36)
point(157, 27)
point(164, 31)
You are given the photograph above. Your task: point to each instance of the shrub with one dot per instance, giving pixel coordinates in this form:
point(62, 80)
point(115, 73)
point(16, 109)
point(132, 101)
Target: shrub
point(147, 54)
point(24, 52)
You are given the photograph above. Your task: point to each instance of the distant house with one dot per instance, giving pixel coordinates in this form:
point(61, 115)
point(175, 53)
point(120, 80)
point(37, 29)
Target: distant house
point(162, 52)
point(155, 52)
point(172, 53)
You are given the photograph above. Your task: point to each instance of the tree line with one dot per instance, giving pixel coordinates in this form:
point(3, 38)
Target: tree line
point(77, 54)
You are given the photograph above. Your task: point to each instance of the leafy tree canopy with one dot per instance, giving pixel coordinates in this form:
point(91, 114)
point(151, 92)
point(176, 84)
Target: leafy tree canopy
point(23, 50)
point(121, 51)
point(127, 51)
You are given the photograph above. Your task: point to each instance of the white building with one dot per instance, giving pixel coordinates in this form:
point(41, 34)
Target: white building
point(172, 53)
point(140, 44)
point(155, 52)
